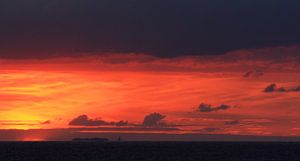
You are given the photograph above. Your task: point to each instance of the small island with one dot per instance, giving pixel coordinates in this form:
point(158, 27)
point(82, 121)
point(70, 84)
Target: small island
point(90, 139)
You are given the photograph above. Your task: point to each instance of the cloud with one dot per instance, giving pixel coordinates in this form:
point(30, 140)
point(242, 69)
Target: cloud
point(95, 26)
point(128, 128)
point(235, 61)
point(121, 123)
point(270, 88)
point(273, 88)
point(210, 129)
point(297, 89)
point(253, 74)
point(233, 122)
point(151, 120)
point(46, 122)
point(83, 120)
point(154, 119)
point(203, 107)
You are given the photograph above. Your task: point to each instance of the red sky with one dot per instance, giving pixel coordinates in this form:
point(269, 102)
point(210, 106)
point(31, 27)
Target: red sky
point(49, 93)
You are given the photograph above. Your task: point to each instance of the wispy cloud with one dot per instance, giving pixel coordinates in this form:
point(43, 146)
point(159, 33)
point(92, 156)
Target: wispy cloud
point(84, 120)
point(273, 88)
point(233, 122)
point(203, 107)
point(253, 74)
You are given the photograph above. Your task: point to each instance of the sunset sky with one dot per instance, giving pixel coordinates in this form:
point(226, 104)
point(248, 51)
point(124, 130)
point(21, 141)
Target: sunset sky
point(156, 70)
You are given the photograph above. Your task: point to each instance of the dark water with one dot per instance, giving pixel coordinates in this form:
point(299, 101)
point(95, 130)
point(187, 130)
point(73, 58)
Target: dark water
point(148, 151)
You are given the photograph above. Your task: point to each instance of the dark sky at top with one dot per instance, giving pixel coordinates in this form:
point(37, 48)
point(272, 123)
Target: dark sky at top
point(42, 28)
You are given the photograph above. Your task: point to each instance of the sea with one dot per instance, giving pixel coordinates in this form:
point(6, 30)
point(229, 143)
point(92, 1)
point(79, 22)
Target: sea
point(149, 151)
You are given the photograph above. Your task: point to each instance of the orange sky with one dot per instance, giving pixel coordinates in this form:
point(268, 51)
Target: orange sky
point(49, 93)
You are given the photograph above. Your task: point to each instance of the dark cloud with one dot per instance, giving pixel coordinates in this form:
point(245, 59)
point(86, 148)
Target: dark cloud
point(154, 119)
point(84, 120)
point(46, 122)
point(233, 122)
point(273, 88)
point(203, 107)
point(127, 128)
point(253, 74)
point(150, 120)
point(210, 129)
point(43, 28)
point(297, 89)
point(270, 88)
point(121, 123)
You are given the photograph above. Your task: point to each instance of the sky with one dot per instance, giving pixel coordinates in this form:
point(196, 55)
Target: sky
point(149, 70)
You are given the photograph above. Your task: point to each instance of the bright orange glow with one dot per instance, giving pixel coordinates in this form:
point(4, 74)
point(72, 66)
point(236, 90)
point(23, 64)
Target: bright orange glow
point(49, 95)
point(32, 139)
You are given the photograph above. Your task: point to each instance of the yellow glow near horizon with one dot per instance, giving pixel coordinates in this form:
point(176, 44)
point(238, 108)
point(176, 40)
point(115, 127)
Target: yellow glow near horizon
point(28, 98)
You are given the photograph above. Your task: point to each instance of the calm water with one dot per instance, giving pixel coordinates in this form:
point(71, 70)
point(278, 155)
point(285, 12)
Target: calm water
point(148, 151)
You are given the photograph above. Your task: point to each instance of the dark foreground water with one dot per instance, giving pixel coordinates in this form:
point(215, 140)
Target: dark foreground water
point(148, 151)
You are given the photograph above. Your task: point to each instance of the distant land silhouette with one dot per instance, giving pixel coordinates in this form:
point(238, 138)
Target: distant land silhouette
point(91, 139)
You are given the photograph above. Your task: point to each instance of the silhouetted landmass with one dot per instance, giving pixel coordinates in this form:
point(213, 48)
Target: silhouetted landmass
point(91, 139)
